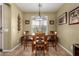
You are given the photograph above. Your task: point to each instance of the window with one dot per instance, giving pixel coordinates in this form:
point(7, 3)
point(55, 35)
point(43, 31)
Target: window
point(39, 25)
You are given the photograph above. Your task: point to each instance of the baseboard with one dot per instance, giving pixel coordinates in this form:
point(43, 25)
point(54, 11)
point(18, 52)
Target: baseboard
point(66, 50)
point(11, 49)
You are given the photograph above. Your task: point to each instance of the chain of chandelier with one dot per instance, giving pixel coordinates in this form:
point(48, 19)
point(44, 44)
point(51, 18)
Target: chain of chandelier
point(39, 5)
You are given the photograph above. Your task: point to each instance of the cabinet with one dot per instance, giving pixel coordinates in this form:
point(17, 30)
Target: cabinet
point(76, 49)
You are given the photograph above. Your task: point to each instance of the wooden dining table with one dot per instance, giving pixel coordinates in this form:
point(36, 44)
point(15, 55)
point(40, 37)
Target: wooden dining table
point(47, 38)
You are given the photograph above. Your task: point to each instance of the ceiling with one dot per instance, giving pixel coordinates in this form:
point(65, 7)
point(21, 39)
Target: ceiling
point(33, 7)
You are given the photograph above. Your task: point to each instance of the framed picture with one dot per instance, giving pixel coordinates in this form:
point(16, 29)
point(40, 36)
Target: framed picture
point(74, 16)
point(51, 22)
point(62, 19)
point(19, 25)
point(27, 22)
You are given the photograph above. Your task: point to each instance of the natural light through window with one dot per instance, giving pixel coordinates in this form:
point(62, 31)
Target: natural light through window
point(39, 25)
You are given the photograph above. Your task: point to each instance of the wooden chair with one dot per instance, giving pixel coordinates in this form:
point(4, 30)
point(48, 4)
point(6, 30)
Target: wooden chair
point(24, 41)
point(54, 41)
point(42, 45)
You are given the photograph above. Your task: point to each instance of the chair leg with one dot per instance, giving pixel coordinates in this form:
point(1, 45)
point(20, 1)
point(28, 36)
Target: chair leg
point(56, 46)
point(24, 47)
point(34, 52)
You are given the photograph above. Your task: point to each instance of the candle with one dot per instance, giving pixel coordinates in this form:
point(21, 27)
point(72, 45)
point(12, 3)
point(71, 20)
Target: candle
point(24, 33)
point(55, 33)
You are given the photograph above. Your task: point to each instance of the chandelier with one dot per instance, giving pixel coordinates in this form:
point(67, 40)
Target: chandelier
point(39, 17)
point(39, 5)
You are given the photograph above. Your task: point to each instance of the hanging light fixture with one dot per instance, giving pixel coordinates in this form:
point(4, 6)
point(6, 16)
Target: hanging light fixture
point(41, 17)
point(39, 5)
point(39, 9)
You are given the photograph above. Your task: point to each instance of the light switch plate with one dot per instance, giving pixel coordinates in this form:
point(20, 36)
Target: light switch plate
point(6, 30)
point(71, 47)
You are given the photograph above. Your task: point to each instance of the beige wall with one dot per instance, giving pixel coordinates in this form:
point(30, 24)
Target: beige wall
point(28, 16)
point(6, 26)
point(15, 34)
point(10, 24)
point(68, 34)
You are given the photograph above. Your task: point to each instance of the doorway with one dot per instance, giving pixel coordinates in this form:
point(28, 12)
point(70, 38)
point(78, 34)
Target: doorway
point(0, 27)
